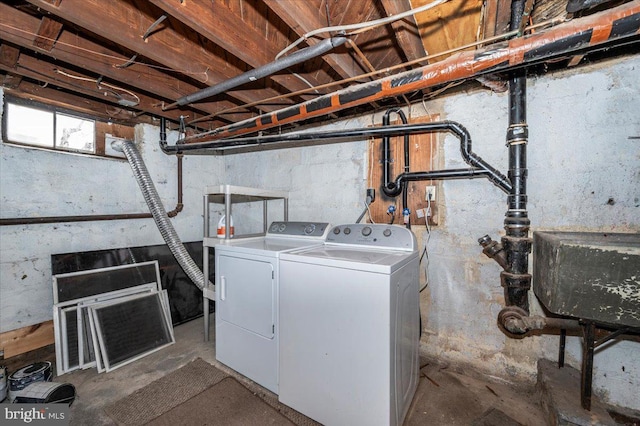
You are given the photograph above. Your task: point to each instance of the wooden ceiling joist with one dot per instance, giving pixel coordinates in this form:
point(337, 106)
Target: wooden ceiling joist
point(166, 48)
point(47, 33)
point(249, 45)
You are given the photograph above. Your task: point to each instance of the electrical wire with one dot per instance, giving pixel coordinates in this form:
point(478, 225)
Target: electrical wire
point(425, 253)
point(105, 55)
point(369, 213)
point(360, 26)
point(367, 203)
point(99, 82)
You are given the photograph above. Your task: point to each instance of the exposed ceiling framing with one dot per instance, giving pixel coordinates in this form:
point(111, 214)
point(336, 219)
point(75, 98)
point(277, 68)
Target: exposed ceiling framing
point(128, 60)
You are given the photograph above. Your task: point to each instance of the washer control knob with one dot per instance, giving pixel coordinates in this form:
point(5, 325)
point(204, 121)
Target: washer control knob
point(386, 232)
point(347, 231)
point(366, 231)
point(309, 229)
point(336, 230)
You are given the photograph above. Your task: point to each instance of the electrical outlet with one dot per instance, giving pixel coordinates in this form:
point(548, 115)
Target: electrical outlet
point(430, 190)
point(371, 193)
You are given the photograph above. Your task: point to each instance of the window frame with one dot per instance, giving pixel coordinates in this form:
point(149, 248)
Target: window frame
point(99, 135)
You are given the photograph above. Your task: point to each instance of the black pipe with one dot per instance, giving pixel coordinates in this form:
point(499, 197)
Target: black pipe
point(163, 131)
point(386, 152)
point(516, 242)
point(513, 252)
point(480, 167)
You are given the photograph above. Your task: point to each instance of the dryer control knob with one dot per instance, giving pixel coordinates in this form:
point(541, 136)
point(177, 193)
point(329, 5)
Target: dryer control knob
point(366, 231)
point(309, 229)
point(386, 232)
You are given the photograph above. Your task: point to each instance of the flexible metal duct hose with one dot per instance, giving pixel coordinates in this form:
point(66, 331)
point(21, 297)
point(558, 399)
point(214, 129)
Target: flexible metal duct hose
point(156, 208)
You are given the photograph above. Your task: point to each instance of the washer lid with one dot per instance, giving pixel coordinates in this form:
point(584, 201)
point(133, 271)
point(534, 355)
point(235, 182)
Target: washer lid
point(373, 260)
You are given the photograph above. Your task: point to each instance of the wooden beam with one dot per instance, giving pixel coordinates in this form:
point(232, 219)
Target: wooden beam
point(9, 56)
point(406, 29)
point(125, 24)
point(496, 15)
point(249, 45)
point(51, 95)
point(25, 339)
point(300, 16)
point(19, 28)
point(45, 72)
point(11, 81)
point(498, 58)
point(48, 33)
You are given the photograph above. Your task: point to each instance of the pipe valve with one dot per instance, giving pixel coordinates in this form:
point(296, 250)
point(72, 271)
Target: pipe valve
point(494, 250)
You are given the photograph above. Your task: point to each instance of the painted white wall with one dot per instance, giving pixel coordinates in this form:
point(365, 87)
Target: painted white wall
point(325, 183)
point(580, 155)
point(37, 183)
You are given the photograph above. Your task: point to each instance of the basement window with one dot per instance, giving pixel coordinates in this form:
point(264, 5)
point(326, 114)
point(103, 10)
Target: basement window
point(30, 125)
point(34, 124)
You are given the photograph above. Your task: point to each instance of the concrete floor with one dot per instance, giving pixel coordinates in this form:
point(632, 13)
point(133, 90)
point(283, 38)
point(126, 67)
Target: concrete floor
point(444, 397)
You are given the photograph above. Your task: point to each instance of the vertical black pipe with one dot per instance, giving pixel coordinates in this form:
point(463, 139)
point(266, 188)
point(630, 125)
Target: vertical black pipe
point(163, 130)
point(386, 153)
point(517, 244)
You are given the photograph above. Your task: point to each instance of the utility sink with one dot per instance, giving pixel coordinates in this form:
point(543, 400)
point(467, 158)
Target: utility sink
point(593, 276)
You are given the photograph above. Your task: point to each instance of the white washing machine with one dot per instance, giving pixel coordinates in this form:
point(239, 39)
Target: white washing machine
point(246, 311)
point(349, 326)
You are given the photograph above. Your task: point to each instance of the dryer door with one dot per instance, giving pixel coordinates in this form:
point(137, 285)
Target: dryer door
point(245, 296)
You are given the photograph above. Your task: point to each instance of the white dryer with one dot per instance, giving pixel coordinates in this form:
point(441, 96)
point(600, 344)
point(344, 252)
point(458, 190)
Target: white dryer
point(349, 326)
point(246, 312)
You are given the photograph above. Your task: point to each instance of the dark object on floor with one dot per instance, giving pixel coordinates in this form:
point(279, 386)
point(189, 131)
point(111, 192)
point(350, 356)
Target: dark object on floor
point(626, 419)
point(166, 393)
point(37, 372)
point(495, 417)
point(225, 403)
point(46, 393)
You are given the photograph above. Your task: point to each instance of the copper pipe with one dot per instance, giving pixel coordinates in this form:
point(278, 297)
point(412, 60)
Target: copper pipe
point(613, 26)
point(374, 73)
